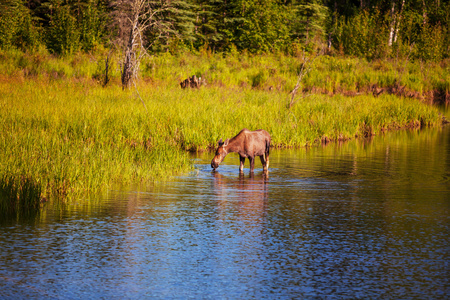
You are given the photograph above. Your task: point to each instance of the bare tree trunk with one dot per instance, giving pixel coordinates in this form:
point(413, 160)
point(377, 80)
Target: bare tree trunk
point(128, 68)
point(392, 24)
point(106, 80)
point(306, 67)
point(333, 22)
point(130, 63)
point(135, 17)
point(424, 15)
point(397, 25)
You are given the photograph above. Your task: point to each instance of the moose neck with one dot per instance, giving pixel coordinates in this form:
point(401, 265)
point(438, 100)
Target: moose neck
point(233, 145)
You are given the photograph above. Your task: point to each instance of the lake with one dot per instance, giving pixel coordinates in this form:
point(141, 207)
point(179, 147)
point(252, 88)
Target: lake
point(361, 219)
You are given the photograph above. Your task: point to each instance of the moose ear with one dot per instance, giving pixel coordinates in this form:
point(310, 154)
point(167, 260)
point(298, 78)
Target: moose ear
point(226, 142)
point(220, 143)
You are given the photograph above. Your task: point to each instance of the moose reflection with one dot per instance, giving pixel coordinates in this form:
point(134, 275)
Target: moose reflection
point(242, 197)
point(248, 144)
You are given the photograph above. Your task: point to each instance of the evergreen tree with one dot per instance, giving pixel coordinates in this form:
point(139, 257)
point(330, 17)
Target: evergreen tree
point(208, 20)
point(63, 35)
point(368, 28)
point(254, 25)
point(17, 28)
point(182, 16)
point(92, 22)
point(310, 24)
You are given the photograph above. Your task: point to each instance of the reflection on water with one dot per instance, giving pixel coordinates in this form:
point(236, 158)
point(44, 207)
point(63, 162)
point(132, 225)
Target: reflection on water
point(358, 220)
point(241, 197)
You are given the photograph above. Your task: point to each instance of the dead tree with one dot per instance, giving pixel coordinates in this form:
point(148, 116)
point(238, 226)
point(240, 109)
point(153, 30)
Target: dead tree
point(306, 67)
point(133, 19)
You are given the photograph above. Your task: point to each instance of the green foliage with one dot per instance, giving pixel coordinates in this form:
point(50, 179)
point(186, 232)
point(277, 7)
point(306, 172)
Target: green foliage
point(17, 28)
point(363, 35)
point(415, 29)
point(420, 39)
point(258, 80)
point(310, 20)
point(208, 24)
point(179, 33)
point(92, 24)
point(259, 27)
point(430, 43)
point(183, 18)
point(63, 34)
point(20, 196)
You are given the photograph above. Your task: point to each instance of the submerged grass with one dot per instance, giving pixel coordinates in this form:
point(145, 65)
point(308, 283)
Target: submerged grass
point(19, 197)
point(62, 134)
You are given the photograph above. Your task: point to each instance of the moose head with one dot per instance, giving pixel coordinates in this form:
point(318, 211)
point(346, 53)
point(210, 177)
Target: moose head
point(221, 152)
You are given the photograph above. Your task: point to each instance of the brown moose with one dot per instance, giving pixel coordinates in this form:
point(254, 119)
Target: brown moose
point(247, 144)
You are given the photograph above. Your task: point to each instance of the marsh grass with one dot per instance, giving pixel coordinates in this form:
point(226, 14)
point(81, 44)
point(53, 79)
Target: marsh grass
point(64, 135)
point(20, 196)
point(329, 75)
point(76, 138)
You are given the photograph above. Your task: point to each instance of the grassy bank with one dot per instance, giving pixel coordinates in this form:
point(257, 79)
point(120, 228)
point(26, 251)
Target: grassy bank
point(425, 81)
point(62, 135)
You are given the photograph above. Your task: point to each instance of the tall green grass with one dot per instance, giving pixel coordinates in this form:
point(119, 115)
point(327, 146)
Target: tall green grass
point(328, 74)
point(64, 135)
point(74, 137)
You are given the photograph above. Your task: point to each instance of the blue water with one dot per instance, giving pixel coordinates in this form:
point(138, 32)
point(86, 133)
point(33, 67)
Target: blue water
point(359, 220)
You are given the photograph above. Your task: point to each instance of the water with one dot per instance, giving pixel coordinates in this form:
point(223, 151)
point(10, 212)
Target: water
point(358, 220)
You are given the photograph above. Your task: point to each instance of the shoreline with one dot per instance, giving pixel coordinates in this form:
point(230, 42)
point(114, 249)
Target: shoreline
point(71, 136)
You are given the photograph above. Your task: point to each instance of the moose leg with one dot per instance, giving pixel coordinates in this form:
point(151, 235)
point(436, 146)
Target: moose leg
point(264, 161)
point(242, 161)
point(266, 166)
point(252, 163)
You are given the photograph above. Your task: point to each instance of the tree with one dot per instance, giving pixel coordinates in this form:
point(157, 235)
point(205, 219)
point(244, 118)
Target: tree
point(63, 36)
point(208, 21)
point(137, 20)
point(92, 22)
point(311, 16)
point(17, 28)
point(254, 25)
point(182, 17)
point(395, 22)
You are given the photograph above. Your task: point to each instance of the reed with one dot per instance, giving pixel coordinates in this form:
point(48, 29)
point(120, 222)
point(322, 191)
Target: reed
point(20, 196)
point(67, 135)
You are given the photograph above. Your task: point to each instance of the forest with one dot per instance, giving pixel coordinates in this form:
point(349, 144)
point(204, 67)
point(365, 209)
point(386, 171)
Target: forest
point(373, 29)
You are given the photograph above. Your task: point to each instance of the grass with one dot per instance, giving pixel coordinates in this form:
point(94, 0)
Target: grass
point(62, 134)
point(20, 197)
point(74, 138)
point(329, 75)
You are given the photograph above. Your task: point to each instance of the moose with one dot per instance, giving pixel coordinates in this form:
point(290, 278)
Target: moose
point(248, 144)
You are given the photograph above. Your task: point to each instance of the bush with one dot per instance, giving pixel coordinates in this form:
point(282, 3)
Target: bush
point(63, 35)
point(16, 26)
point(364, 35)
